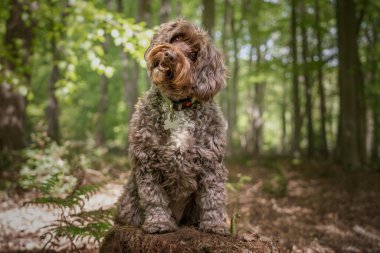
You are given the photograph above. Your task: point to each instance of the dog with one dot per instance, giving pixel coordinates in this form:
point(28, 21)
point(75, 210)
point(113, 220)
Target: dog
point(177, 137)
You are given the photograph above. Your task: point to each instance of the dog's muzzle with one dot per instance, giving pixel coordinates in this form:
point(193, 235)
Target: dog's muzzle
point(166, 63)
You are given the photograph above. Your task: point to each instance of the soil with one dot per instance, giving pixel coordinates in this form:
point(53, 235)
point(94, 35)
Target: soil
point(185, 240)
point(305, 207)
point(310, 207)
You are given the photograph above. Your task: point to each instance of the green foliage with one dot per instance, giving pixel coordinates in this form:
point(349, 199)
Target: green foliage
point(233, 224)
point(236, 187)
point(46, 164)
point(277, 184)
point(49, 170)
point(74, 222)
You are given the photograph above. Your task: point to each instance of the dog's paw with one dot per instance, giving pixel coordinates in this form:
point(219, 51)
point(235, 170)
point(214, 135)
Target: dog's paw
point(159, 226)
point(217, 228)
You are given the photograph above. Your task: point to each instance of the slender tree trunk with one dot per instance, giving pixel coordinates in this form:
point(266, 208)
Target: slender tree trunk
point(103, 103)
point(164, 11)
point(102, 110)
point(258, 108)
point(308, 87)
point(321, 88)
point(52, 109)
point(208, 17)
point(375, 103)
point(12, 114)
point(351, 142)
point(375, 151)
point(224, 98)
point(284, 108)
point(295, 83)
point(372, 80)
point(234, 83)
point(178, 8)
point(143, 13)
point(125, 72)
point(12, 104)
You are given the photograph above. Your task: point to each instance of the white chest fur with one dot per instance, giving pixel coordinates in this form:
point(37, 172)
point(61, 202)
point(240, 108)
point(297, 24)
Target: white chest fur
point(181, 128)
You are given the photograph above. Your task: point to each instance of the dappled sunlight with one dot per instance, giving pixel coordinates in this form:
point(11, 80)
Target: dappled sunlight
point(299, 91)
point(22, 226)
point(313, 214)
point(289, 210)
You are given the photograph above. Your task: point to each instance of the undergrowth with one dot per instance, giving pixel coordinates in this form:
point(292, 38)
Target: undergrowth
point(61, 185)
point(75, 223)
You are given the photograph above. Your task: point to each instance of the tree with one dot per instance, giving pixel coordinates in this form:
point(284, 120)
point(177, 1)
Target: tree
point(18, 44)
point(164, 11)
point(208, 16)
point(307, 81)
point(57, 32)
point(52, 108)
point(351, 145)
point(321, 88)
point(143, 13)
point(295, 83)
point(232, 116)
point(103, 103)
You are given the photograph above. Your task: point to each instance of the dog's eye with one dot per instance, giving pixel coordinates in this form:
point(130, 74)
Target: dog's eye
point(193, 56)
point(176, 38)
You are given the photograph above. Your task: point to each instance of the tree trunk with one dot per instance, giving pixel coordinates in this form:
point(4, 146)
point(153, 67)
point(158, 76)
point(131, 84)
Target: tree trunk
point(208, 17)
point(372, 80)
point(308, 88)
point(225, 94)
point(103, 102)
point(164, 11)
point(284, 105)
point(295, 84)
point(351, 142)
point(12, 104)
point(143, 14)
point(258, 108)
point(178, 8)
point(321, 89)
point(232, 120)
point(185, 239)
point(12, 114)
point(52, 108)
point(125, 70)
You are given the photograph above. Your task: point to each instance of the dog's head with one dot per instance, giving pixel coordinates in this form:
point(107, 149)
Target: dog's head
point(183, 62)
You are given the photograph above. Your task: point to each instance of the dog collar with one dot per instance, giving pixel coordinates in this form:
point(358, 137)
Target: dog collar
point(182, 104)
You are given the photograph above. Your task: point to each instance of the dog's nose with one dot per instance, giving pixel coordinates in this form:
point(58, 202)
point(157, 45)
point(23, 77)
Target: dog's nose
point(170, 56)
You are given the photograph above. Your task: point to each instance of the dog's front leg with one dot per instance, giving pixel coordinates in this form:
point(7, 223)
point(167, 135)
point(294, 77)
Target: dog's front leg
point(155, 203)
point(212, 202)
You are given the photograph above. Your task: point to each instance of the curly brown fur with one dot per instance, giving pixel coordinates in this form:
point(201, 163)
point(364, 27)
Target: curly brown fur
point(178, 176)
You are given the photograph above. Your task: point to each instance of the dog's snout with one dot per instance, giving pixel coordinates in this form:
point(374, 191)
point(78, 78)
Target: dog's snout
point(170, 56)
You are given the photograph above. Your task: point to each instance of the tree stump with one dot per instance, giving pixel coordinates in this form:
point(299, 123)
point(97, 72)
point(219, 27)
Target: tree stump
point(127, 239)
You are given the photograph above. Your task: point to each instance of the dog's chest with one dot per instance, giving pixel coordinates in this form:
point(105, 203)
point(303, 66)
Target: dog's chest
point(180, 128)
point(179, 153)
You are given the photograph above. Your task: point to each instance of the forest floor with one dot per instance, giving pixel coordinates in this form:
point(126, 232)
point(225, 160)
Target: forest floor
point(306, 207)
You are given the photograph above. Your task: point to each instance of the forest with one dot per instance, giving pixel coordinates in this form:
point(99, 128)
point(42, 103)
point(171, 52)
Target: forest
point(301, 102)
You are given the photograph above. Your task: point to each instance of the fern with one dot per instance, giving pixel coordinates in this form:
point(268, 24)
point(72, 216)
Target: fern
point(74, 223)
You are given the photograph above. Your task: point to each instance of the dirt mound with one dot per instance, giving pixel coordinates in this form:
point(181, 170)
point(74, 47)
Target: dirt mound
point(186, 239)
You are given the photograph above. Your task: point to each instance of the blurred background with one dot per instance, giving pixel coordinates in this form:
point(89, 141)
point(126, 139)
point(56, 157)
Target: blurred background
point(303, 75)
point(302, 104)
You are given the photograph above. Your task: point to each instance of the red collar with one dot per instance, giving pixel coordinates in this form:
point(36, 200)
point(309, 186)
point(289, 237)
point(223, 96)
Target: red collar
point(182, 104)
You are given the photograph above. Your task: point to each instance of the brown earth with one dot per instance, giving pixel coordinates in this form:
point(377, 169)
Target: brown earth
point(306, 207)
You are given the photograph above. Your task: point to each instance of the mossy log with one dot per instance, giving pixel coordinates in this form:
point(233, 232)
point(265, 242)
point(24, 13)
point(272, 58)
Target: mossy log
point(186, 239)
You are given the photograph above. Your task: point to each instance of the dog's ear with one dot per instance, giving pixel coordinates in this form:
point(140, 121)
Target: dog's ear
point(210, 73)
